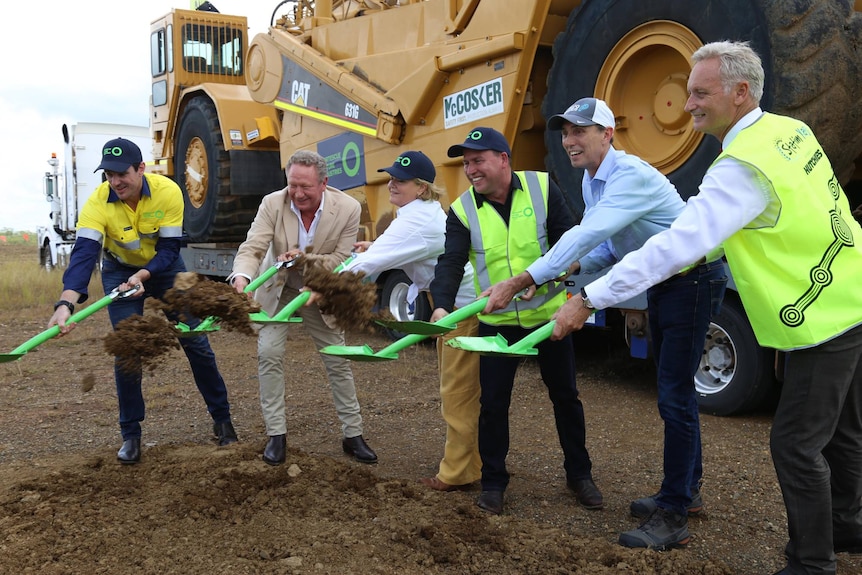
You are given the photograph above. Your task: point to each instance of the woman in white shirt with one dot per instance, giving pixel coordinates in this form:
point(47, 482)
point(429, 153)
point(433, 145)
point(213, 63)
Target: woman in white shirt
point(412, 243)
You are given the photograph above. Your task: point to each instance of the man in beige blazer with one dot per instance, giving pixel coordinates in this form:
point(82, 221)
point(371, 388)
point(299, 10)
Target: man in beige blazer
point(306, 216)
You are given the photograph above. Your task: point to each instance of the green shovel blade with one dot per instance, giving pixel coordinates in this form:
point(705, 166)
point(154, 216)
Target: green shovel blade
point(390, 352)
point(358, 353)
point(207, 325)
point(497, 344)
point(417, 326)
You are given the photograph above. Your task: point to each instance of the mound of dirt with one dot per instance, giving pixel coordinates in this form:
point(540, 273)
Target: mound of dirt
point(205, 510)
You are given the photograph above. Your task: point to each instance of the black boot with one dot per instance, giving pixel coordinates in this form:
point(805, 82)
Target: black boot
point(360, 451)
point(130, 452)
point(273, 453)
point(225, 433)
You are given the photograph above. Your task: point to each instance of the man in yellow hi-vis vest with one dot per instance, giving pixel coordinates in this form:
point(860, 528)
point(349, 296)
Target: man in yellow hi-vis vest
point(500, 225)
point(795, 253)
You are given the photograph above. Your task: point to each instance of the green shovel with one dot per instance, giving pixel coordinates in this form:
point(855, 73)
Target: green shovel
point(54, 330)
point(390, 352)
point(210, 323)
point(497, 344)
point(424, 327)
point(285, 314)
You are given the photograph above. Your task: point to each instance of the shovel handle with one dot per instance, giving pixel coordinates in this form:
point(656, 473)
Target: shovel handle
point(459, 314)
point(449, 320)
point(54, 330)
point(259, 281)
point(292, 306)
point(531, 340)
point(300, 300)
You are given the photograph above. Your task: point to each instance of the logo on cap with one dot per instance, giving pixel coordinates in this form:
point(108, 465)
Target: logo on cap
point(403, 160)
point(475, 135)
point(114, 151)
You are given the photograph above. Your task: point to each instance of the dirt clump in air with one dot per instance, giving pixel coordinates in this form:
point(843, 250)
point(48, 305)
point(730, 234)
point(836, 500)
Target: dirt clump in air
point(139, 342)
point(348, 297)
point(200, 297)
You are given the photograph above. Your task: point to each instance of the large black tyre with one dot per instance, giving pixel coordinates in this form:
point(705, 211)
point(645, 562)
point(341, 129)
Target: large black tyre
point(610, 49)
point(735, 374)
point(202, 170)
point(393, 299)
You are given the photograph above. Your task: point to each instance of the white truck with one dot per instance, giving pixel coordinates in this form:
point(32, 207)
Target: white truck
point(73, 178)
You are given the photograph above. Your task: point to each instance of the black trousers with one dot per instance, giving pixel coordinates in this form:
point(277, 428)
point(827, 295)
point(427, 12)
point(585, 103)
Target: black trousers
point(816, 445)
point(497, 378)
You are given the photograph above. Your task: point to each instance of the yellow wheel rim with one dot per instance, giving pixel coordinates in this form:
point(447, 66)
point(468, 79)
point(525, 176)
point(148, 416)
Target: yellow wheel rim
point(644, 82)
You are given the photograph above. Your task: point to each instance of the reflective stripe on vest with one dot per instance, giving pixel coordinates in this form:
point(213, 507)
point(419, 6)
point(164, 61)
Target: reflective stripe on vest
point(526, 313)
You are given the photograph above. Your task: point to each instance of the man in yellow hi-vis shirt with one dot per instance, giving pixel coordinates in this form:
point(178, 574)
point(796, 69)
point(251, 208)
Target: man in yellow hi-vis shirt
point(133, 222)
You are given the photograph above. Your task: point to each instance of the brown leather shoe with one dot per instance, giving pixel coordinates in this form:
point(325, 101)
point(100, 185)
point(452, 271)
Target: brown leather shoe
point(587, 494)
point(437, 485)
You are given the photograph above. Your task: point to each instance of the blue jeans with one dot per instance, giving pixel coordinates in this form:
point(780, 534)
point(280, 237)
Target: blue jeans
point(680, 309)
point(197, 349)
point(497, 378)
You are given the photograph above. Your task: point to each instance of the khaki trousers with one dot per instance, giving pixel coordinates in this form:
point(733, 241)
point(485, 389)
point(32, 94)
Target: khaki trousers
point(270, 369)
point(459, 397)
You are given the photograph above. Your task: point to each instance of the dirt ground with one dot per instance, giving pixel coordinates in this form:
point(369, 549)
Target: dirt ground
point(68, 507)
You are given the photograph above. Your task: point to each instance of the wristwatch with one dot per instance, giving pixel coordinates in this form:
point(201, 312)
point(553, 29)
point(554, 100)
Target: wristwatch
point(587, 303)
point(68, 304)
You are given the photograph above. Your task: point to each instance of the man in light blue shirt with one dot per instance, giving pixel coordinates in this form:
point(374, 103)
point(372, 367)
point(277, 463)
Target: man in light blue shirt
point(627, 201)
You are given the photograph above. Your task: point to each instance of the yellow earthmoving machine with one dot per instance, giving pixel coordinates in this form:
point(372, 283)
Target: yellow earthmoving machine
point(360, 81)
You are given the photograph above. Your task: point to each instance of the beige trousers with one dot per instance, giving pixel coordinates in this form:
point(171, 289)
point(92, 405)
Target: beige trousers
point(459, 398)
point(270, 369)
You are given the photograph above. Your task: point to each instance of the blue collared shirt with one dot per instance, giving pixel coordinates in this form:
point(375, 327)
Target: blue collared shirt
point(626, 202)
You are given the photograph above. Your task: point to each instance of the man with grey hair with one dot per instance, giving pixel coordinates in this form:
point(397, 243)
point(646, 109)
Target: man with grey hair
point(305, 217)
point(773, 201)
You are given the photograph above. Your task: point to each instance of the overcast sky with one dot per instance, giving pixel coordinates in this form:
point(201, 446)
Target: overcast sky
point(71, 62)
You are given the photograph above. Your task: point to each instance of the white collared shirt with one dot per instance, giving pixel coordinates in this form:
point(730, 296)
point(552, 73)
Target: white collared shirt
point(730, 196)
point(412, 243)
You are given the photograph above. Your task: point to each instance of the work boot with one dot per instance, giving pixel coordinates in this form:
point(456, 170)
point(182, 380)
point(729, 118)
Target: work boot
point(491, 501)
point(586, 493)
point(663, 530)
point(356, 447)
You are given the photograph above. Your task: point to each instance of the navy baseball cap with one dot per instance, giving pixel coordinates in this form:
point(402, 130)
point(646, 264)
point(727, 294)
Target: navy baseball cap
point(481, 139)
point(412, 165)
point(584, 112)
point(119, 154)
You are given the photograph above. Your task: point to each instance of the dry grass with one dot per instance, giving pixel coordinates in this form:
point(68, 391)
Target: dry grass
point(29, 291)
